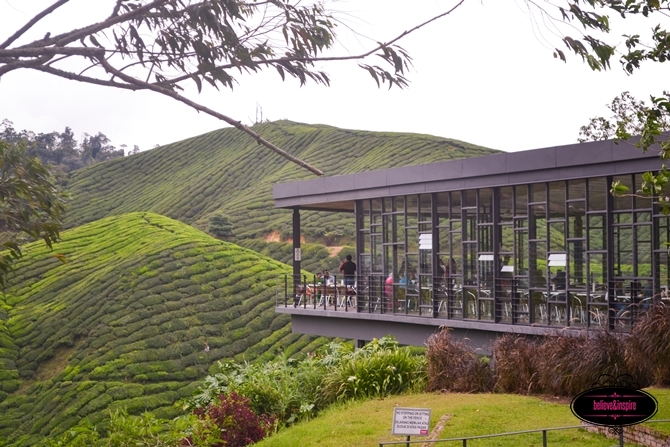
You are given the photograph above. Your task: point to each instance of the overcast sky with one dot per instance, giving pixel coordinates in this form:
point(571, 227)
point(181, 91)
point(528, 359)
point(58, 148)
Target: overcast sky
point(484, 75)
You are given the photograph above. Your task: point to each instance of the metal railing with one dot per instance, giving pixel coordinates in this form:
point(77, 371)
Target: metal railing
point(464, 440)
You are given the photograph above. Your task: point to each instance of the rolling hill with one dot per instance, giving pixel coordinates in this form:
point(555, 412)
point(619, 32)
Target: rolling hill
point(226, 171)
point(124, 322)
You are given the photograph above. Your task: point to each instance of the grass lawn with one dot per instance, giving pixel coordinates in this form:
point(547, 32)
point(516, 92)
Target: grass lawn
point(662, 395)
point(369, 423)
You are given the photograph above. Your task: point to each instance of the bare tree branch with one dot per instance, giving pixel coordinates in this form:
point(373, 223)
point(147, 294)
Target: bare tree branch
point(237, 124)
point(32, 22)
point(80, 78)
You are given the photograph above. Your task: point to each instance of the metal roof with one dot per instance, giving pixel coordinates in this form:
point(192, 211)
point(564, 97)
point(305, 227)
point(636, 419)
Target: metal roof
point(583, 160)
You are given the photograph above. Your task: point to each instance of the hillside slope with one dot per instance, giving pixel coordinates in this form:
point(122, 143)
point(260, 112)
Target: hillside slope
point(227, 171)
point(125, 321)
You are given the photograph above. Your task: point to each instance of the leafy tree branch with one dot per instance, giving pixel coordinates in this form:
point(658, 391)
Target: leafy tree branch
point(160, 45)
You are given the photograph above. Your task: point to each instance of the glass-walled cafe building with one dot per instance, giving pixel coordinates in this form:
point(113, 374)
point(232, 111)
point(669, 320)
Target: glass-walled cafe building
point(520, 242)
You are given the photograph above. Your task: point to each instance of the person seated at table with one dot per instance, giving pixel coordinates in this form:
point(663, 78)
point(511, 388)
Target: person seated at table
point(647, 295)
point(409, 281)
point(617, 301)
point(537, 279)
point(328, 278)
point(559, 280)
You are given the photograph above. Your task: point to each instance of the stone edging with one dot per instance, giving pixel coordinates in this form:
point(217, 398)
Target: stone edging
point(635, 433)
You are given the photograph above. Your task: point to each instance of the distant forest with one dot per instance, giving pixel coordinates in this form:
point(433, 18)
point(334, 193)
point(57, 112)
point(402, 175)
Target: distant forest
point(61, 149)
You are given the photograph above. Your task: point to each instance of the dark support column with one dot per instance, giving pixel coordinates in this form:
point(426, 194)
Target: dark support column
point(297, 256)
point(610, 255)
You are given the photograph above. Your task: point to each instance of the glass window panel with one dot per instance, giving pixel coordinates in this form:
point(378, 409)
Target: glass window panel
point(643, 217)
point(443, 238)
point(623, 251)
point(521, 244)
point(388, 221)
point(376, 252)
point(470, 225)
point(576, 220)
point(412, 209)
point(365, 218)
point(399, 221)
point(426, 262)
point(643, 250)
point(486, 267)
point(538, 263)
point(365, 242)
point(376, 206)
point(521, 200)
point(643, 259)
point(506, 239)
point(364, 261)
point(557, 236)
point(411, 264)
point(399, 203)
point(623, 218)
point(470, 264)
point(520, 223)
point(641, 201)
point(485, 205)
point(597, 264)
point(376, 229)
point(442, 200)
point(486, 238)
point(538, 192)
point(486, 309)
point(538, 222)
point(577, 265)
point(456, 244)
point(388, 260)
point(663, 232)
point(456, 204)
point(412, 240)
point(598, 192)
point(387, 202)
point(663, 263)
point(557, 200)
point(597, 233)
point(469, 198)
point(576, 189)
point(506, 204)
point(426, 207)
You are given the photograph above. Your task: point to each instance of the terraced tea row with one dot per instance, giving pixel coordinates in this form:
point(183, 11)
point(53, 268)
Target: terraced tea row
point(140, 311)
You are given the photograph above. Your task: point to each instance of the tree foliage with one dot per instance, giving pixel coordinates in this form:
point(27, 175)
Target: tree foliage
point(61, 149)
point(30, 202)
point(160, 45)
point(220, 226)
point(632, 117)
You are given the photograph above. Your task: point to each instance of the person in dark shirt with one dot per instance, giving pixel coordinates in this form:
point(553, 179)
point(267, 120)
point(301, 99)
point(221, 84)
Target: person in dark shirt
point(348, 268)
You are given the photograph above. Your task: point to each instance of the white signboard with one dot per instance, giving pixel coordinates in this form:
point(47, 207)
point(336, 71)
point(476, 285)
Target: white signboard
point(411, 421)
point(296, 254)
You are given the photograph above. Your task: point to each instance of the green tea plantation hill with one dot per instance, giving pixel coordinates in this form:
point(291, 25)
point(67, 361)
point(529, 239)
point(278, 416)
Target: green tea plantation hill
point(226, 171)
point(140, 311)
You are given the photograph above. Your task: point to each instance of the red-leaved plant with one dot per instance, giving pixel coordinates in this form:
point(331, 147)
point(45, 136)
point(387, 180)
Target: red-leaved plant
point(231, 417)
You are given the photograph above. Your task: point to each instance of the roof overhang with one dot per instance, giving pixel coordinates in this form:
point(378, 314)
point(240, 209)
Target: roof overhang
point(338, 193)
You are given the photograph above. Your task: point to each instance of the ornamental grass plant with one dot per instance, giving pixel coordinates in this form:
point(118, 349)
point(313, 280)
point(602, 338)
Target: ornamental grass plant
point(452, 366)
point(648, 347)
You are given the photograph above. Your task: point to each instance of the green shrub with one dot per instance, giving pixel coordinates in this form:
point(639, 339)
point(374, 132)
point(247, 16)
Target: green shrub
point(381, 368)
